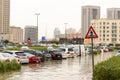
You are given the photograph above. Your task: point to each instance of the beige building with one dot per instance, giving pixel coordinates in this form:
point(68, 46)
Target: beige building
point(113, 13)
point(88, 13)
point(108, 31)
point(4, 19)
point(16, 34)
point(4, 16)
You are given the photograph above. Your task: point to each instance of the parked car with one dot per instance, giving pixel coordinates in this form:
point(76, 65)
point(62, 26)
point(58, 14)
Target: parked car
point(47, 54)
point(37, 53)
point(2, 58)
point(24, 48)
point(56, 55)
point(64, 55)
point(68, 51)
point(9, 57)
point(32, 58)
point(118, 53)
point(18, 54)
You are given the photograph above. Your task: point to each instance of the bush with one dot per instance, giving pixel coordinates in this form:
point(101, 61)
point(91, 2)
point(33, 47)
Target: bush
point(96, 52)
point(9, 66)
point(38, 48)
point(108, 70)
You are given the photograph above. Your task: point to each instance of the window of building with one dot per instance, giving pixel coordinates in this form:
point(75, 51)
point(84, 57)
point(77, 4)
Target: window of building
point(103, 23)
point(103, 27)
point(107, 39)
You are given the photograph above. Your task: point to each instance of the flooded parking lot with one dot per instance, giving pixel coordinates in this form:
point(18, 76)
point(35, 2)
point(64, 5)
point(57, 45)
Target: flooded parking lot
point(78, 68)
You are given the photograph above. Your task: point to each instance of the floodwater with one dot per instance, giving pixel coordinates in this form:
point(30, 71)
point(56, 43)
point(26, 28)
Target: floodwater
point(78, 68)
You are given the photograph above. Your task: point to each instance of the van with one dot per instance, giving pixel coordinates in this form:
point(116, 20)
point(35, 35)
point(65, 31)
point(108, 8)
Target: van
point(68, 51)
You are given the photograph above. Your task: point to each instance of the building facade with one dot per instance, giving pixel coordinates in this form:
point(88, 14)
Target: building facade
point(4, 16)
point(113, 13)
point(88, 13)
point(56, 33)
point(16, 34)
point(108, 31)
point(31, 32)
point(4, 19)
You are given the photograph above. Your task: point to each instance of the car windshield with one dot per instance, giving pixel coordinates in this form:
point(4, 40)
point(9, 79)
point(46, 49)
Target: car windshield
point(62, 49)
point(20, 53)
point(28, 54)
point(118, 51)
point(38, 52)
point(70, 49)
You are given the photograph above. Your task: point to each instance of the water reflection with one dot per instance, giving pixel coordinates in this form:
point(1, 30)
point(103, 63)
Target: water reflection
point(79, 68)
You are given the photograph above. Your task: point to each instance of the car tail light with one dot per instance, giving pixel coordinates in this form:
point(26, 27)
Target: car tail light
point(28, 57)
point(68, 52)
point(17, 56)
point(7, 60)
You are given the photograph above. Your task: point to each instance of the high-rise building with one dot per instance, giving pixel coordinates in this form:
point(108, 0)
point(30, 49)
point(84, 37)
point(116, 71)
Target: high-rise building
point(113, 13)
point(4, 19)
point(57, 33)
point(31, 32)
point(88, 13)
point(16, 34)
point(4, 16)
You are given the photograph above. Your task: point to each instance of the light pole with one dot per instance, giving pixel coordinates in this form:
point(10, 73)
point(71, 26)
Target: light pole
point(37, 14)
point(65, 34)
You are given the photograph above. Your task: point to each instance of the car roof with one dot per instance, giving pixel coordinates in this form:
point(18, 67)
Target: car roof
point(13, 51)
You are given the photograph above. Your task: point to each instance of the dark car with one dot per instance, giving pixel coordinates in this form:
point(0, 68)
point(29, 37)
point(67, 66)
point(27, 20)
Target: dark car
point(56, 55)
point(47, 54)
point(37, 53)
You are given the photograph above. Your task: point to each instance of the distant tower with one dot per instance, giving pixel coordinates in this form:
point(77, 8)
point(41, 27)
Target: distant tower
point(88, 13)
point(113, 13)
point(56, 33)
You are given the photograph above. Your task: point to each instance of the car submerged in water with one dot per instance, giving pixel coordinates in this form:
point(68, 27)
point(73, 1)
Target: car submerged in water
point(18, 54)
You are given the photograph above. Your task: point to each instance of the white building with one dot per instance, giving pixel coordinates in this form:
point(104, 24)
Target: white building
point(31, 32)
point(56, 33)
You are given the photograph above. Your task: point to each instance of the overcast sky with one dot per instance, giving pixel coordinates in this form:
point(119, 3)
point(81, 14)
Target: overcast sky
point(54, 13)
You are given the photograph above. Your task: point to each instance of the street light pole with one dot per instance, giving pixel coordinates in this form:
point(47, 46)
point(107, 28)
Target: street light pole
point(37, 14)
point(65, 34)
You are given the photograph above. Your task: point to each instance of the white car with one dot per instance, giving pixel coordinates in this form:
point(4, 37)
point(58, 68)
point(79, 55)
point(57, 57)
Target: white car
point(9, 57)
point(68, 51)
point(2, 58)
point(24, 48)
point(20, 55)
point(118, 53)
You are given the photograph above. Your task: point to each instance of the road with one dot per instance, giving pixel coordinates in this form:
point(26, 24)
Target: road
point(78, 68)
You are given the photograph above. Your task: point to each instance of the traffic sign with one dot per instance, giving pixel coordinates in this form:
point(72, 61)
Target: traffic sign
point(91, 33)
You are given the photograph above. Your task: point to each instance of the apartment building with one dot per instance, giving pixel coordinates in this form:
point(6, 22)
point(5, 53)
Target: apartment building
point(108, 31)
point(16, 34)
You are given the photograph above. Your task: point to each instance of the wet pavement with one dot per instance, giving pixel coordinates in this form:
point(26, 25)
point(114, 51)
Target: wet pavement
point(78, 68)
